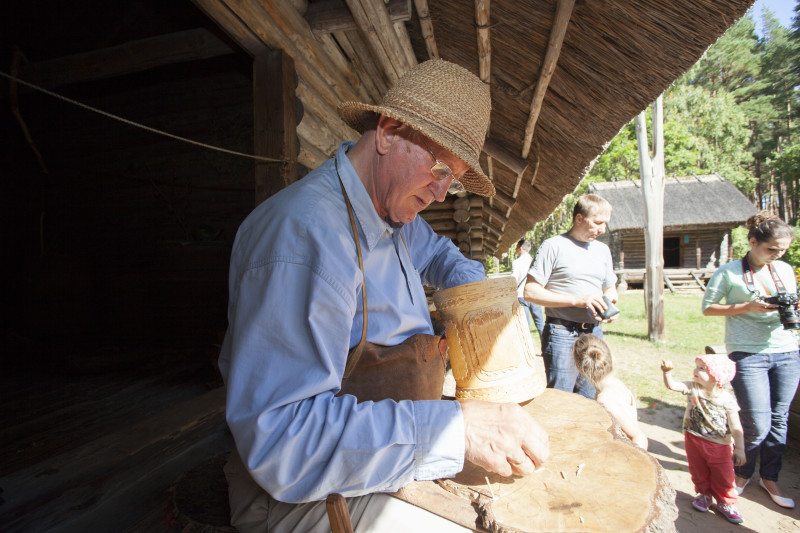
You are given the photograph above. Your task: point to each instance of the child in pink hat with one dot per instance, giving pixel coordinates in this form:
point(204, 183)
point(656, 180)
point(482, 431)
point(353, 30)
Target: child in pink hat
point(710, 425)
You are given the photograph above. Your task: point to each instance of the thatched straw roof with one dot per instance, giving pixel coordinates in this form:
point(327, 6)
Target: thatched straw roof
point(565, 75)
point(688, 201)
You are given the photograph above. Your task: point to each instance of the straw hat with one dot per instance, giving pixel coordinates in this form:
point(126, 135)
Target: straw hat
point(444, 102)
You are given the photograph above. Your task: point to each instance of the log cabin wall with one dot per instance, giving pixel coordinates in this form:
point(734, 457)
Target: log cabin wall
point(125, 239)
point(697, 248)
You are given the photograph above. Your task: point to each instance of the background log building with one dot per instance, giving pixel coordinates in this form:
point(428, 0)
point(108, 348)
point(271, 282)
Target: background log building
point(115, 239)
point(699, 214)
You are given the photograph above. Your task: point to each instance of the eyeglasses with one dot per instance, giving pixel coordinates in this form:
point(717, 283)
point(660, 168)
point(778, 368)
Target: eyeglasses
point(441, 172)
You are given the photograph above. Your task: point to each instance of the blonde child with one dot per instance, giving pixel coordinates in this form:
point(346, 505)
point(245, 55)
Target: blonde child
point(710, 424)
point(593, 359)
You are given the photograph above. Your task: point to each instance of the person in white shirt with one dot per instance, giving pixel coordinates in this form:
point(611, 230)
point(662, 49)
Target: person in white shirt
point(519, 268)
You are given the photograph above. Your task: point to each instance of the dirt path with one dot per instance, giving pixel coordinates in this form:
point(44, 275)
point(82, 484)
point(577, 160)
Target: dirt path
point(760, 514)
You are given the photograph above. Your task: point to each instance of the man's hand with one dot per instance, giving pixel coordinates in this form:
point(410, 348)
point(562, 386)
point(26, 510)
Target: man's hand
point(503, 438)
point(594, 304)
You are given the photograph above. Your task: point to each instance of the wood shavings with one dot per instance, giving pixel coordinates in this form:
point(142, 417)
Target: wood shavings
point(581, 519)
point(562, 474)
point(580, 467)
point(490, 488)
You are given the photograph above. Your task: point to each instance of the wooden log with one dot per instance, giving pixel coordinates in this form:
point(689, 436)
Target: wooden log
point(316, 132)
point(274, 122)
point(405, 42)
point(317, 106)
point(128, 58)
point(384, 48)
point(557, 32)
point(575, 491)
point(309, 156)
point(328, 16)
point(424, 15)
point(342, 63)
point(232, 25)
point(493, 230)
point(460, 215)
point(361, 56)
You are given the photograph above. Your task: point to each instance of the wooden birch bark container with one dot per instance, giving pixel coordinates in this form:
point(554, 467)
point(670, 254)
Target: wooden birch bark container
point(489, 343)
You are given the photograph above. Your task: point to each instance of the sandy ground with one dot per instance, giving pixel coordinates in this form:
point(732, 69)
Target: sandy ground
point(760, 513)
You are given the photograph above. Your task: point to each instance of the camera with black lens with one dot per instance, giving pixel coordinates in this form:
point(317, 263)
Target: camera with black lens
point(787, 308)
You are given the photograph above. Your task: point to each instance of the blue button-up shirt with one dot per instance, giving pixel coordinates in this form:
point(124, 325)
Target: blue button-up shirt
point(295, 311)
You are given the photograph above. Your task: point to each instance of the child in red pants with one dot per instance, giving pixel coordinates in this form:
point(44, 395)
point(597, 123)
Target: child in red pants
point(710, 425)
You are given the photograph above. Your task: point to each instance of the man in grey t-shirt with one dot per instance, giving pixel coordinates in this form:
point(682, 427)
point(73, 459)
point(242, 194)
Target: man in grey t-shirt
point(569, 276)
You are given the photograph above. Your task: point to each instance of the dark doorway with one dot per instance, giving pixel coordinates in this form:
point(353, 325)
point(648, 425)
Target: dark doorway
point(672, 252)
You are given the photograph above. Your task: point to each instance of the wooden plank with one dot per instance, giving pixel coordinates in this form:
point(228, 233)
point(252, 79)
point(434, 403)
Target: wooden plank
point(373, 22)
point(557, 33)
point(78, 487)
point(328, 16)
point(128, 58)
point(275, 124)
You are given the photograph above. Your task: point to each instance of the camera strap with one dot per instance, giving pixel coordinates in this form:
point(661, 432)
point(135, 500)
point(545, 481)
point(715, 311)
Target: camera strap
point(749, 279)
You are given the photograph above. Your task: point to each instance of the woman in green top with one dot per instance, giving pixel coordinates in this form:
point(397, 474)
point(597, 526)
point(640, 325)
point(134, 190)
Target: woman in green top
point(765, 352)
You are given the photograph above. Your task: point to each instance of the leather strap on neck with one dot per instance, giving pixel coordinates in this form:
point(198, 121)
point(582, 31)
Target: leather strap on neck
point(355, 353)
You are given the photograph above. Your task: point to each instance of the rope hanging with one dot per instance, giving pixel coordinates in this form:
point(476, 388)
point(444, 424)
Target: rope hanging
point(15, 79)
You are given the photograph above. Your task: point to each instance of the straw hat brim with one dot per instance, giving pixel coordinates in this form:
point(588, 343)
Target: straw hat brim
point(474, 180)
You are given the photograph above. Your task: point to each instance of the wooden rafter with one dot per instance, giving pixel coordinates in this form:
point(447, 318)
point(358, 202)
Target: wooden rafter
point(328, 16)
point(484, 43)
point(424, 14)
point(128, 58)
point(557, 33)
point(373, 21)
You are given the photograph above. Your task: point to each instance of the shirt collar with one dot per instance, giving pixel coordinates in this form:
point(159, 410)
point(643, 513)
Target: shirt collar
point(372, 226)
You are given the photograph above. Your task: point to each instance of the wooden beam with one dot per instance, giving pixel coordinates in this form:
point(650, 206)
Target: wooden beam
point(373, 21)
point(424, 15)
point(275, 124)
point(128, 58)
point(328, 16)
point(496, 214)
point(502, 198)
point(499, 152)
point(484, 43)
point(280, 26)
point(559, 29)
point(357, 50)
point(231, 24)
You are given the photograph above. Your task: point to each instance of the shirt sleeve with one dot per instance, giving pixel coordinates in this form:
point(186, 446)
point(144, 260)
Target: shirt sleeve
point(610, 277)
point(440, 264)
point(289, 326)
point(543, 262)
point(716, 290)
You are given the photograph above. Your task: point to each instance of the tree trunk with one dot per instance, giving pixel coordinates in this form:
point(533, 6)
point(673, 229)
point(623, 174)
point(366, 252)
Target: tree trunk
point(652, 174)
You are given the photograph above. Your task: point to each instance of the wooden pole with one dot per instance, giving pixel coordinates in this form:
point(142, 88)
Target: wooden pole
point(275, 122)
point(652, 174)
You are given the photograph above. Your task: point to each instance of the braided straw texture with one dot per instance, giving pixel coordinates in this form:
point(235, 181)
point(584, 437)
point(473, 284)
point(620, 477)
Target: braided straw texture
point(444, 102)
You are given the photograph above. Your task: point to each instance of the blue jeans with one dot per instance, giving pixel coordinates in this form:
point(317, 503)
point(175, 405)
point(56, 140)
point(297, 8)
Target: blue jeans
point(535, 311)
point(765, 384)
point(559, 364)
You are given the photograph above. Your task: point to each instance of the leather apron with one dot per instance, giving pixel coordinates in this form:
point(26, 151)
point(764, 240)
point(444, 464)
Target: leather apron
point(411, 370)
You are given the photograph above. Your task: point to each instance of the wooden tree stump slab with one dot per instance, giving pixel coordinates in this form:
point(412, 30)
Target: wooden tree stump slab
point(596, 480)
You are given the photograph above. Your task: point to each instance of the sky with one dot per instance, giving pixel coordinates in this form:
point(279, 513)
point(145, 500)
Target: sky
point(783, 9)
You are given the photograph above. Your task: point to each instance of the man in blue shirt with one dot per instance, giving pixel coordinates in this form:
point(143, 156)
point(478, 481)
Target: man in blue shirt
point(336, 262)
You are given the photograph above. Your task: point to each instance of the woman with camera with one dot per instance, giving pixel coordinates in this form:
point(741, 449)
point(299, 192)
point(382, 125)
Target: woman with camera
point(760, 310)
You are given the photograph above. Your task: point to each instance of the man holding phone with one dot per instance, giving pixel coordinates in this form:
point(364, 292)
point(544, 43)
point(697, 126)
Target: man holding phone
point(572, 276)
